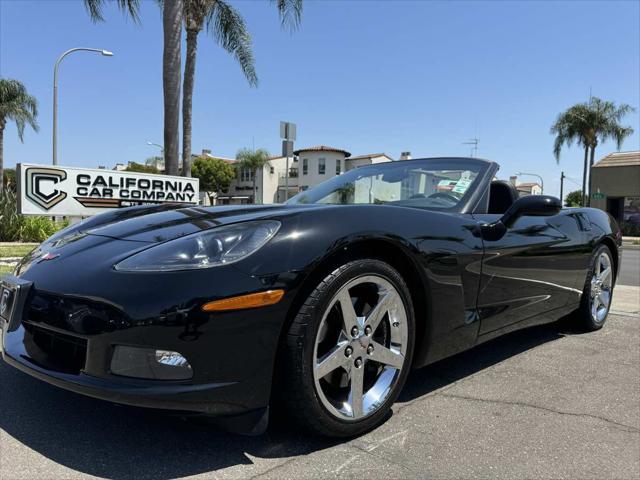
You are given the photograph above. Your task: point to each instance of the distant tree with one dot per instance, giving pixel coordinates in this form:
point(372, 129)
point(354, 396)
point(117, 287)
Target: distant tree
point(573, 199)
point(253, 160)
point(140, 168)
point(588, 124)
point(17, 105)
point(215, 175)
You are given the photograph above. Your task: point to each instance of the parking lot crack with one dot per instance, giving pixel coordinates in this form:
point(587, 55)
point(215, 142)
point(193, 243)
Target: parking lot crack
point(273, 469)
point(612, 423)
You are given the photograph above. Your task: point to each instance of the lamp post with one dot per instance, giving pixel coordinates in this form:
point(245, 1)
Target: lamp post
point(161, 147)
point(534, 175)
point(105, 53)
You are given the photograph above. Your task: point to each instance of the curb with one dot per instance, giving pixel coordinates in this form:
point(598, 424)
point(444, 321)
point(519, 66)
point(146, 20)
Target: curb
point(19, 244)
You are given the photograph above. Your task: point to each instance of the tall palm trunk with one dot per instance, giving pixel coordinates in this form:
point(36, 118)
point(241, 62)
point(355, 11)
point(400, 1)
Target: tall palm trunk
point(2, 123)
point(187, 98)
point(255, 186)
point(584, 174)
point(593, 153)
point(172, 29)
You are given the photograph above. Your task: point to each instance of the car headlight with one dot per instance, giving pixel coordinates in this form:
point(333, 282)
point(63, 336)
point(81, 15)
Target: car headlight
point(209, 248)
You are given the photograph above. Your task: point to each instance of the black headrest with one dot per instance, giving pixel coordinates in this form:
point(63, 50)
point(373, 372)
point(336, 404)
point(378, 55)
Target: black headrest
point(502, 194)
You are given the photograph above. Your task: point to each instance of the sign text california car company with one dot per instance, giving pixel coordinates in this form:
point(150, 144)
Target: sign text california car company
point(71, 191)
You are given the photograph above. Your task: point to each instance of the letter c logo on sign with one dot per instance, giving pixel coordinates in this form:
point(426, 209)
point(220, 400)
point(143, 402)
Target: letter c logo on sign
point(40, 186)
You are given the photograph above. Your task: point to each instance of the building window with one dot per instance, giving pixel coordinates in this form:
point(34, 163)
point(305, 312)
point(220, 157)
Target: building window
point(338, 167)
point(321, 166)
point(305, 166)
point(272, 170)
point(246, 175)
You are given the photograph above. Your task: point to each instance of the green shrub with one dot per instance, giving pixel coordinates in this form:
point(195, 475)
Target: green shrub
point(19, 228)
point(630, 229)
point(38, 229)
point(10, 221)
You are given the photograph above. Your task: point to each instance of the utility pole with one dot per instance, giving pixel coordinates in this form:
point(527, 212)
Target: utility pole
point(288, 136)
point(561, 185)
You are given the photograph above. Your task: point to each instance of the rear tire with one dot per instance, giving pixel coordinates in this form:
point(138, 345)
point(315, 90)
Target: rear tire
point(348, 350)
point(598, 292)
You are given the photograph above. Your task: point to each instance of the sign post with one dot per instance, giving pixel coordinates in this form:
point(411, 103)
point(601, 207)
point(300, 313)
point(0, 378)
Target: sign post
point(288, 135)
point(71, 191)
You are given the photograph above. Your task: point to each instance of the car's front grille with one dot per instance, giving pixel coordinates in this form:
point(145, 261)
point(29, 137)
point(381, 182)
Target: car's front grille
point(54, 350)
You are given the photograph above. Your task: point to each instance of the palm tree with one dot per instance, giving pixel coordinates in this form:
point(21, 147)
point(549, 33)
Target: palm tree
point(171, 59)
point(17, 105)
point(229, 29)
point(589, 124)
point(171, 64)
point(604, 119)
point(253, 160)
point(570, 127)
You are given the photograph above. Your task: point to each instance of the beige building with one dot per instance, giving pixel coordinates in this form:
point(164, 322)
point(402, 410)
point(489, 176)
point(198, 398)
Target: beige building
point(615, 186)
point(529, 188)
point(523, 189)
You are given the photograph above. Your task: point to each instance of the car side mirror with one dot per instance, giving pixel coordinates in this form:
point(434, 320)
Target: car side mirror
point(532, 205)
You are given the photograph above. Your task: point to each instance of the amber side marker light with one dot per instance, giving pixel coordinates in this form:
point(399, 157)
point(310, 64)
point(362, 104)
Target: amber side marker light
point(252, 300)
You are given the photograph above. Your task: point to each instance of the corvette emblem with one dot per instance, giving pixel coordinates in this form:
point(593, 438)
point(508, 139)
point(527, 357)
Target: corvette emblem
point(48, 256)
point(4, 301)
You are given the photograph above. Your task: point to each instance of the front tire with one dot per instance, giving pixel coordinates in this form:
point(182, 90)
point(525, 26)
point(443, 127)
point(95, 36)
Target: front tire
point(598, 291)
point(348, 350)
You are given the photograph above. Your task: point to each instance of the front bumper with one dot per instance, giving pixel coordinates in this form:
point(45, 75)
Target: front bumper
point(200, 398)
point(69, 340)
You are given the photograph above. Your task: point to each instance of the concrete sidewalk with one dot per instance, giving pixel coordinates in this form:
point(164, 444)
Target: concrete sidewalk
point(626, 300)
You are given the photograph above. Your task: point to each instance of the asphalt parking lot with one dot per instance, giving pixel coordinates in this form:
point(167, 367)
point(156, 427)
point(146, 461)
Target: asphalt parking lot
point(541, 403)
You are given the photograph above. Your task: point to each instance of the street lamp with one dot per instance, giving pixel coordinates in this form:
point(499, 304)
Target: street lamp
point(534, 175)
point(104, 53)
point(161, 147)
point(156, 145)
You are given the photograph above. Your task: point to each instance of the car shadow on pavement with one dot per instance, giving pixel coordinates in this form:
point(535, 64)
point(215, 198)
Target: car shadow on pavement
point(106, 440)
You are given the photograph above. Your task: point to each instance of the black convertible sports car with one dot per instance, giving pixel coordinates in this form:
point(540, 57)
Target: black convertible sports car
point(320, 306)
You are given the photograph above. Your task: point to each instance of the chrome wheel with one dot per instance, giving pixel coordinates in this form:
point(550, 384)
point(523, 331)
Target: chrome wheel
point(600, 293)
point(360, 347)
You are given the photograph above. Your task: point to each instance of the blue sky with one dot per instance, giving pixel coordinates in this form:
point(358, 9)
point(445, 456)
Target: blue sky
point(366, 76)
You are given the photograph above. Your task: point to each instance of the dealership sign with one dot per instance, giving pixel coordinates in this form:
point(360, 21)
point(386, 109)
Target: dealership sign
point(70, 191)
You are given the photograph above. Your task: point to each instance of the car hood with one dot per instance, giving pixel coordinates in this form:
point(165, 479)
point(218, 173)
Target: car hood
point(169, 223)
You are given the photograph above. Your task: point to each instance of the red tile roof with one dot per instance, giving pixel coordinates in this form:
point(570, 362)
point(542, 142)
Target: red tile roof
point(322, 148)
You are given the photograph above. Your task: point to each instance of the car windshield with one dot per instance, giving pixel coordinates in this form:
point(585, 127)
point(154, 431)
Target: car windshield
point(439, 184)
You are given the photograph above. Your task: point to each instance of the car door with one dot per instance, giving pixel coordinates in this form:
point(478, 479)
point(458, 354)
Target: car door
point(530, 272)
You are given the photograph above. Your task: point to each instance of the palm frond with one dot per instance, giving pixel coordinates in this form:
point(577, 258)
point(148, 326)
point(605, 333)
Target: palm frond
point(132, 7)
point(16, 104)
point(290, 13)
point(230, 31)
point(95, 8)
